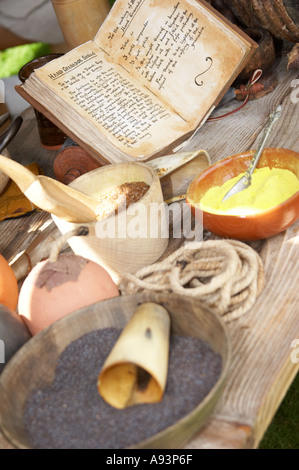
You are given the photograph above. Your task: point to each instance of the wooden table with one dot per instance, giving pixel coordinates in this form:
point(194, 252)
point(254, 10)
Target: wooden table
point(262, 368)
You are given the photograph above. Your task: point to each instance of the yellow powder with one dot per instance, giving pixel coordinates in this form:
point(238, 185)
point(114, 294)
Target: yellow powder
point(269, 187)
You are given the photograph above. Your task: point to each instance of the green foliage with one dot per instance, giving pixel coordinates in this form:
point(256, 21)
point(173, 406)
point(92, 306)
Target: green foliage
point(13, 58)
point(283, 432)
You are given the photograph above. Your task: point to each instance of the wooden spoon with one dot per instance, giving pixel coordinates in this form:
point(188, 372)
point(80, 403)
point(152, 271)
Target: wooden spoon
point(51, 195)
point(66, 202)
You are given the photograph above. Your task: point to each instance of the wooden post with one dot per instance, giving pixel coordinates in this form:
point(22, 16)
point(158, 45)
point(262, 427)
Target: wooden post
point(80, 20)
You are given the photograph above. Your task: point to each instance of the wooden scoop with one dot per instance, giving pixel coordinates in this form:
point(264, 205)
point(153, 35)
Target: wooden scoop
point(70, 204)
point(168, 163)
point(51, 195)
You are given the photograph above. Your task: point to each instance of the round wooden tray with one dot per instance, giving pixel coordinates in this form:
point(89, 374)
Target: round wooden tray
point(33, 366)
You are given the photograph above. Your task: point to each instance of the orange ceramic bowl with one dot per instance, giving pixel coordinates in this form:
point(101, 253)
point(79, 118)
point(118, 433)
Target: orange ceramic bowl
point(248, 227)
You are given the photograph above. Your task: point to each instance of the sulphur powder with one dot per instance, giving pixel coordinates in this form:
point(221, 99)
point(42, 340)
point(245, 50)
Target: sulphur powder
point(269, 187)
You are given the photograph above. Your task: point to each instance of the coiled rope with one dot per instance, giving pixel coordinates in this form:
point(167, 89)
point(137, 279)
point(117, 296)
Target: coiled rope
point(226, 275)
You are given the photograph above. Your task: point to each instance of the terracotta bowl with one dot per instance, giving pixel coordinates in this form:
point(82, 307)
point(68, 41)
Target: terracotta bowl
point(248, 227)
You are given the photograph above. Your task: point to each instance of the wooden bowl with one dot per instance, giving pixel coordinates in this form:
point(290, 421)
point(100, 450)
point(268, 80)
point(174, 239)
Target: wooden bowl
point(248, 227)
point(115, 245)
point(34, 364)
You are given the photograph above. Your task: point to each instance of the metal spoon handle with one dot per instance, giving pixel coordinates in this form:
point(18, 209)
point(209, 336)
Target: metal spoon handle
point(274, 116)
point(245, 180)
point(10, 133)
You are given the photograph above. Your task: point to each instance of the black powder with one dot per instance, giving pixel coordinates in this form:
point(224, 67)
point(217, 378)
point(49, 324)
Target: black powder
point(70, 414)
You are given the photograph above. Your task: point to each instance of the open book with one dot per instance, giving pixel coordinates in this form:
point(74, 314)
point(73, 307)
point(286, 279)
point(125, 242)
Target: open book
point(151, 76)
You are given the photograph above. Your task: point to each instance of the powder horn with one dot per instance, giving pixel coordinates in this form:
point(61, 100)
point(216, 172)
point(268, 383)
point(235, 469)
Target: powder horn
point(135, 371)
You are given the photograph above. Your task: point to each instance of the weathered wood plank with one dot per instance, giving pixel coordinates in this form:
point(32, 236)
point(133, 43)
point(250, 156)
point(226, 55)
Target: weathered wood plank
point(262, 370)
point(240, 131)
point(222, 434)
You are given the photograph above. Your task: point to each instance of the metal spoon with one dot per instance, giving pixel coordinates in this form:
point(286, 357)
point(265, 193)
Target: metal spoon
point(245, 180)
point(4, 118)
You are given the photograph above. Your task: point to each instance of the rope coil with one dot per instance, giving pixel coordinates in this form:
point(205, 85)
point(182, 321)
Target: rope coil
point(226, 275)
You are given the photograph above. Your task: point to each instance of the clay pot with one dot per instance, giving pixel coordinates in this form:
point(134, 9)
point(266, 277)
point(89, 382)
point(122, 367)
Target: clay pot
point(71, 162)
point(13, 334)
point(52, 290)
point(264, 55)
point(80, 20)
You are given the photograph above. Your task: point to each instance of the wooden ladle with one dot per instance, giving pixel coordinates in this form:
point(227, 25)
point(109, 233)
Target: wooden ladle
point(69, 203)
point(51, 195)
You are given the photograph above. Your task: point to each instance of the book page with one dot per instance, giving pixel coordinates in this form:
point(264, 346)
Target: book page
point(149, 78)
point(130, 116)
point(178, 49)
